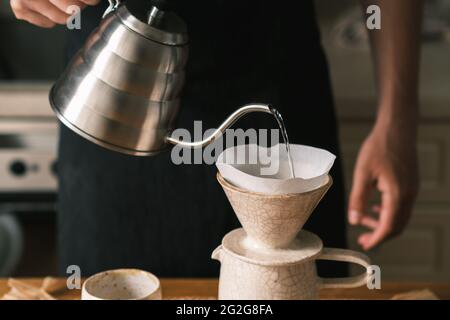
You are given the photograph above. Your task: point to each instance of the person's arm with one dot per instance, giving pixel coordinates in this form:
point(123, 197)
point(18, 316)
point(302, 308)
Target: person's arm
point(46, 13)
point(387, 160)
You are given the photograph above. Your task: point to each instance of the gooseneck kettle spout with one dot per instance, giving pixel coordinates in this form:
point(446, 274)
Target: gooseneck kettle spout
point(221, 129)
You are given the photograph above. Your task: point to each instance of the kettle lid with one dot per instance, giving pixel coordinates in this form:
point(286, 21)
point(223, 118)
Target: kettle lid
point(305, 247)
point(165, 27)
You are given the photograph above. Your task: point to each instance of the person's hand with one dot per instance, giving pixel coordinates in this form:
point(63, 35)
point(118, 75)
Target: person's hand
point(46, 13)
point(387, 161)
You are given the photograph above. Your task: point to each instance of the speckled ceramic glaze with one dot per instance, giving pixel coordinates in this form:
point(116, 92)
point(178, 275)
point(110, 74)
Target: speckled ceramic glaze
point(122, 284)
point(252, 273)
point(271, 257)
point(272, 221)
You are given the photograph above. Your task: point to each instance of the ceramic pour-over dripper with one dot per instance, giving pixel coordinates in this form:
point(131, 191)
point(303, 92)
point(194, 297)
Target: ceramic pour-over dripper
point(272, 221)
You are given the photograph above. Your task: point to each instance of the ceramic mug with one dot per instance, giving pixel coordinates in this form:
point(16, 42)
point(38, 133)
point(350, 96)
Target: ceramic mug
point(122, 284)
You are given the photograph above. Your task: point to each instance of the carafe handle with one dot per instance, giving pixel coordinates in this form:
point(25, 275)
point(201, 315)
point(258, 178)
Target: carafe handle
point(345, 255)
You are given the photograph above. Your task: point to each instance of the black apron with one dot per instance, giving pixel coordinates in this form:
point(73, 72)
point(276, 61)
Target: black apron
point(118, 211)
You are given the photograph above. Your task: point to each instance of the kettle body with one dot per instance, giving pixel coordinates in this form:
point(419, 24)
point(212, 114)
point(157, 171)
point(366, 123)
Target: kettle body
point(122, 89)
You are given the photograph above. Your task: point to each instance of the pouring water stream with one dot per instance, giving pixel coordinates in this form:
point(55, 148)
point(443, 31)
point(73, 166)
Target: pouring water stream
point(284, 134)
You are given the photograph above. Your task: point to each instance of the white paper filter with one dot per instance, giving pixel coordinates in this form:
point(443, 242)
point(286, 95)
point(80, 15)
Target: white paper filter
point(266, 170)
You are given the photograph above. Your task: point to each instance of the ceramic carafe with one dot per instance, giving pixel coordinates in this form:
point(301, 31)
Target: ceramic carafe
point(250, 273)
point(122, 89)
point(271, 257)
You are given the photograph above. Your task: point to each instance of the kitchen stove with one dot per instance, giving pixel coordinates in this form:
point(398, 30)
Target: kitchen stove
point(28, 142)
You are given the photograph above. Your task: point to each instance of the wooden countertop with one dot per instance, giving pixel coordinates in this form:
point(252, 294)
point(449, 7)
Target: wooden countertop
point(207, 289)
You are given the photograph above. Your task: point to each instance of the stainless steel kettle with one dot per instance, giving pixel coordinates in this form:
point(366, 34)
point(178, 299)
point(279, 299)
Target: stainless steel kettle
point(122, 89)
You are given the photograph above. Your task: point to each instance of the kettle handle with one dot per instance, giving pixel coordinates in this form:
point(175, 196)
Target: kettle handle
point(345, 255)
point(113, 5)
